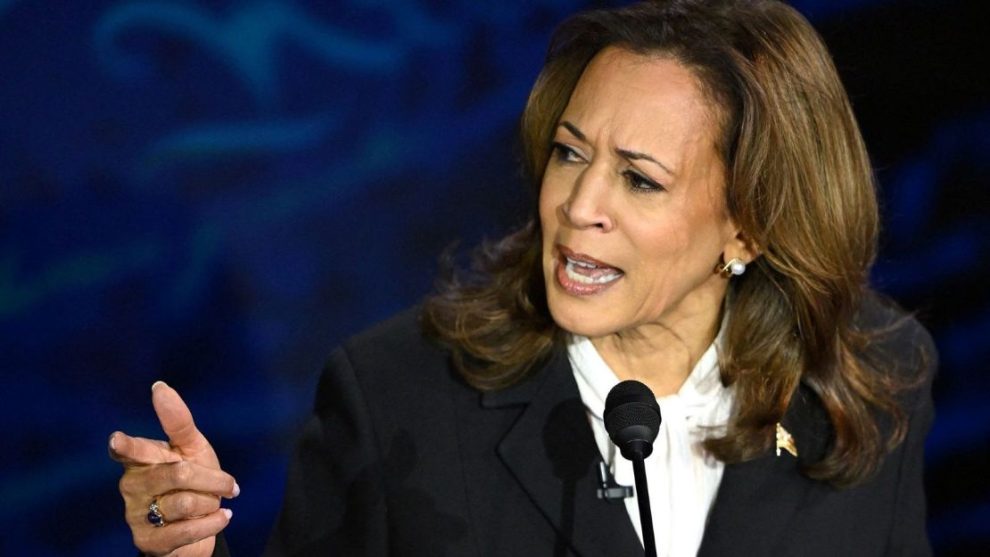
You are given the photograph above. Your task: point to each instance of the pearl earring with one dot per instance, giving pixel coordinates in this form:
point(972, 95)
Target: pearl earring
point(733, 267)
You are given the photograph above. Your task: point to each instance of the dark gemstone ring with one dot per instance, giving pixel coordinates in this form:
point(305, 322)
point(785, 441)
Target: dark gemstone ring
point(155, 515)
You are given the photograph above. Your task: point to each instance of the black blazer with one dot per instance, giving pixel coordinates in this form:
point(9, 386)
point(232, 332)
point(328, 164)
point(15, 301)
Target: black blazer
point(401, 457)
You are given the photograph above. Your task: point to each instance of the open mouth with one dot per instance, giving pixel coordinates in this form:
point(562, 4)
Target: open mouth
point(582, 274)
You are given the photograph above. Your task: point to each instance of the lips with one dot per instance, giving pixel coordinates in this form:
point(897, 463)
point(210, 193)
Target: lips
point(582, 275)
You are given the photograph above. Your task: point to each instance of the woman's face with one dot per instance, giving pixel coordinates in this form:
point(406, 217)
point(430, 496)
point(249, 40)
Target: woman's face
point(632, 203)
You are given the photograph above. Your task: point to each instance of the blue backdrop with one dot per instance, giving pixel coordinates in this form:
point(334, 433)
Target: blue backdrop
point(215, 193)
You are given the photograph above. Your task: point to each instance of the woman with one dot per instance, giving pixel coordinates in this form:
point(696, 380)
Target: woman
point(706, 223)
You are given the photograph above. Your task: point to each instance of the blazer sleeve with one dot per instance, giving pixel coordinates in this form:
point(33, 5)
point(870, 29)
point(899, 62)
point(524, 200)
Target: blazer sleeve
point(334, 498)
point(908, 535)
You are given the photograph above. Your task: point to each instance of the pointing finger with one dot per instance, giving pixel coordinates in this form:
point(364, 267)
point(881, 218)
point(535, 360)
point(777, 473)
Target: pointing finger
point(177, 420)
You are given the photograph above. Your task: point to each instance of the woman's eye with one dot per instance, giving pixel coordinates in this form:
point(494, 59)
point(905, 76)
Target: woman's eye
point(563, 153)
point(639, 183)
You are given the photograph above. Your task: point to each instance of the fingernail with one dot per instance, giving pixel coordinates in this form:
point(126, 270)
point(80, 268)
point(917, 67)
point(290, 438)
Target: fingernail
point(156, 384)
point(237, 489)
point(113, 441)
point(228, 513)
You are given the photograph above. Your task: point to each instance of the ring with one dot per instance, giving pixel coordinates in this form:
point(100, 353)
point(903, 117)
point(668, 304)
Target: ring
point(155, 515)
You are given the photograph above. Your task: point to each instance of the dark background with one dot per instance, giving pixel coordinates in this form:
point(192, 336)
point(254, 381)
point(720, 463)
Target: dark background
point(216, 193)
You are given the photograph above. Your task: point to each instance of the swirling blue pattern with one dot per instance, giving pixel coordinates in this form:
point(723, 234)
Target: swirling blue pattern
point(247, 42)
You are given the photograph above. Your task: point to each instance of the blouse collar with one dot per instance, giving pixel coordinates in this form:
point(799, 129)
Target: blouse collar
point(595, 378)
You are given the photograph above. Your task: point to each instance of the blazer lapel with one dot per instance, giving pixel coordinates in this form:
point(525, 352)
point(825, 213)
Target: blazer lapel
point(552, 453)
point(757, 499)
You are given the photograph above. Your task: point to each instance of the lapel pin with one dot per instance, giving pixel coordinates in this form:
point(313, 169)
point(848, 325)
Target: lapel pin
point(785, 441)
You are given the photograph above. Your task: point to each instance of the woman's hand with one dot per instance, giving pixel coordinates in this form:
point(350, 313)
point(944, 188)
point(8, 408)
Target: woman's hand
point(182, 475)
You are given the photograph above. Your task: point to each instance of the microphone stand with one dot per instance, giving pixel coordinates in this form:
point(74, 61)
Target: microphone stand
point(632, 419)
point(645, 514)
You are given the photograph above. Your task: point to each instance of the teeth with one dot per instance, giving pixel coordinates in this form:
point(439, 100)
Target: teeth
point(584, 264)
point(576, 277)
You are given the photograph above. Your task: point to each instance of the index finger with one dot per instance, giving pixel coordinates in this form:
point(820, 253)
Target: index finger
point(177, 420)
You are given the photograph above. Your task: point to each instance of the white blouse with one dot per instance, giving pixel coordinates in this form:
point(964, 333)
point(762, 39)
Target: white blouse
point(682, 480)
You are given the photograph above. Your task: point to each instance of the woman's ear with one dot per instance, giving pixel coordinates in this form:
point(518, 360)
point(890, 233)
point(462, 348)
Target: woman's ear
point(742, 247)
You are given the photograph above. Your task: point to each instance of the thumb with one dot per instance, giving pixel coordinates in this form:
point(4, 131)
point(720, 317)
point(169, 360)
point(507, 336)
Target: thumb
point(177, 422)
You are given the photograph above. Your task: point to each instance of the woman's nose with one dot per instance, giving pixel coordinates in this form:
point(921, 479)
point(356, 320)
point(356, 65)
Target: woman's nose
point(587, 206)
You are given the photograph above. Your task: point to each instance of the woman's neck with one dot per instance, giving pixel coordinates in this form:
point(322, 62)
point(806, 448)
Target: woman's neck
point(657, 354)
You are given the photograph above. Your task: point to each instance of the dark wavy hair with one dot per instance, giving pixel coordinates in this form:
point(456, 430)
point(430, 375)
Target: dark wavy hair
point(799, 185)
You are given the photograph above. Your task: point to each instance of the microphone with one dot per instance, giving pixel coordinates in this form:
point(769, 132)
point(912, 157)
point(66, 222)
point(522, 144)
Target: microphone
point(608, 489)
point(632, 419)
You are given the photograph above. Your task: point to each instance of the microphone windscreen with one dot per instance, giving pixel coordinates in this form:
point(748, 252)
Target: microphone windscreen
point(631, 412)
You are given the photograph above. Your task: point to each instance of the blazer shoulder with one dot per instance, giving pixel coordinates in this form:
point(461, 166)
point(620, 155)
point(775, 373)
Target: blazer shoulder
point(397, 354)
point(402, 332)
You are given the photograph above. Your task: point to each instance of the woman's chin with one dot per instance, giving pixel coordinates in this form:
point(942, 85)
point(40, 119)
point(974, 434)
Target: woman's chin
point(587, 320)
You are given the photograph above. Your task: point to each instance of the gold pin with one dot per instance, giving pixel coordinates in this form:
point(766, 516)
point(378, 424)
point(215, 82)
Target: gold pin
point(785, 441)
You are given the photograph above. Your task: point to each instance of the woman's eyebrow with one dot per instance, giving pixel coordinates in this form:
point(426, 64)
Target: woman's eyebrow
point(637, 156)
point(574, 130)
point(626, 153)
